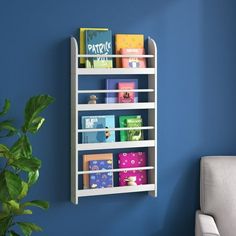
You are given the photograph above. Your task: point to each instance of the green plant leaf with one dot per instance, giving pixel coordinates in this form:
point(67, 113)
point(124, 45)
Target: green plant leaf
point(27, 228)
point(14, 205)
point(13, 233)
point(22, 148)
point(36, 124)
point(3, 215)
point(7, 127)
point(27, 165)
point(37, 203)
point(6, 107)
point(11, 186)
point(33, 177)
point(24, 191)
point(4, 225)
point(33, 108)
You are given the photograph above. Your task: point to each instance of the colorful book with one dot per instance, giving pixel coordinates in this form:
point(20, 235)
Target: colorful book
point(133, 62)
point(131, 160)
point(126, 96)
point(98, 43)
point(112, 84)
point(123, 124)
point(96, 122)
point(82, 41)
point(134, 134)
point(127, 41)
point(93, 157)
point(100, 180)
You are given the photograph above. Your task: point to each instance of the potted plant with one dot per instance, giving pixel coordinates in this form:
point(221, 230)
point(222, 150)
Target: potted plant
point(19, 168)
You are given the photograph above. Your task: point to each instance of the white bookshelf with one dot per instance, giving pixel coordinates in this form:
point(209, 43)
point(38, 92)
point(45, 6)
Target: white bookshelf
point(150, 106)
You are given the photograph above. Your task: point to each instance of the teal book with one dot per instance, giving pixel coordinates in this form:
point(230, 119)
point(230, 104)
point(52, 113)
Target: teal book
point(98, 122)
point(98, 43)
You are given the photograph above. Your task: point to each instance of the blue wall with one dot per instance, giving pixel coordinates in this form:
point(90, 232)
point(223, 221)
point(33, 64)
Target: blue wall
point(196, 113)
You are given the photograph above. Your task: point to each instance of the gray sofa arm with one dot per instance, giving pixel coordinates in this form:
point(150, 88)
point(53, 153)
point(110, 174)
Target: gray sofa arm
point(205, 225)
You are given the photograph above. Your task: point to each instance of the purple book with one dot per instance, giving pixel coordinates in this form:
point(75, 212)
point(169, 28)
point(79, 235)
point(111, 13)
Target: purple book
point(112, 84)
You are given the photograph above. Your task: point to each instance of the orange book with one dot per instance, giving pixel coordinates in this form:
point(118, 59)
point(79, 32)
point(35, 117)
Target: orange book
point(133, 62)
point(93, 157)
point(127, 41)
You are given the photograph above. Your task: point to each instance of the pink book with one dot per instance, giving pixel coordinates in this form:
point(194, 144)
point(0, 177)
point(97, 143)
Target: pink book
point(130, 160)
point(126, 96)
point(133, 62)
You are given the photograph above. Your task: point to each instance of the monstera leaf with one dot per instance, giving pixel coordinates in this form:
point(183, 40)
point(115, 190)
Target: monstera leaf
point(33, 108)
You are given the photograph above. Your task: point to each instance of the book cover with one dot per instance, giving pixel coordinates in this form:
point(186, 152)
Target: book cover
point(93, 157)
point(96, 43)
point(82, 41)
point(134, 134)
point(112, 84)
point(133, 62)
point(96, 122)
point(127, 41)
point(131, 160)
point(126, 96)
point(123, 124)
point(100, 180)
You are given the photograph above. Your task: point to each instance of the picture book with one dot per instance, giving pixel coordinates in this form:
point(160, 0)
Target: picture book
point(133, 62)
point(93, 157)
point(134, 134)
point(112, 84)
point(100, 180)
point(123, 124)
point(96, 122)
point(127, 41)
point(96, 43)
point(131, 160)
point(126, 96)
point(82, 41)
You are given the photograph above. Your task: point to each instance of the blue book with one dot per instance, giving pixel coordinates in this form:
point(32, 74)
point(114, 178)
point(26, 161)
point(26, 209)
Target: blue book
point(112, 84)
point(100, 180)
point(96, 122)
point(98, 42)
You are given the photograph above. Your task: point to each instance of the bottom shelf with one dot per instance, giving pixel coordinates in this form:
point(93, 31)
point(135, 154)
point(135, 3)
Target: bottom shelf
point(115, 190)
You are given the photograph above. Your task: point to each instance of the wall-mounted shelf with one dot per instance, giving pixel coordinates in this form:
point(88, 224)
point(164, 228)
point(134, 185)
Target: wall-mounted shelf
point(150, 106)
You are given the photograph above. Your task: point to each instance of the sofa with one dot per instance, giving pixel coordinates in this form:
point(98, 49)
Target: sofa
point(217, 215)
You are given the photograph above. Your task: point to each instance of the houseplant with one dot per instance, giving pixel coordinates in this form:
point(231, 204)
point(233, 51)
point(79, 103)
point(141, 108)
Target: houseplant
point(19, 169)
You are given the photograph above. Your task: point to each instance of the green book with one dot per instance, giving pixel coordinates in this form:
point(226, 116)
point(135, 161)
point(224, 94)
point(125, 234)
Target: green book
point(123, 124)
point(134, 134)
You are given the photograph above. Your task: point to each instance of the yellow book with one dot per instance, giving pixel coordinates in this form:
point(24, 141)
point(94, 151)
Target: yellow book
point(82, 41)
point(127, 41)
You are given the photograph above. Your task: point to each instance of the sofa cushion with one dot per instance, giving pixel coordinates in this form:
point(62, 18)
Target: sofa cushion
point(218, 191)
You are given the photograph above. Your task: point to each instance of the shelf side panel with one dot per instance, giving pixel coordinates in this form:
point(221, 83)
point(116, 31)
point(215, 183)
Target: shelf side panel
point(74, 123)
point(152, 116)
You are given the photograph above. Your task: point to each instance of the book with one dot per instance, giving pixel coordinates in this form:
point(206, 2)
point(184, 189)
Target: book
point(100, 180)
point(126, 96)
point(96, 122)
point(112, 84)
point(123, 124)
point(134, 134)
point(131, 160)
point(82, 41)
point(133, 62)
point(93, 157)
point(127, 41)
point(96, 43)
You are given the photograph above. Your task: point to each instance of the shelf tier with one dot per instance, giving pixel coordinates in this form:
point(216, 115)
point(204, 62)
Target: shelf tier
point(115, 106)
point(115, 71)
point(117, 91)
point(115, 55)
point(115, 145)
point(115, 170)
point(115, 190)
point(115, 129)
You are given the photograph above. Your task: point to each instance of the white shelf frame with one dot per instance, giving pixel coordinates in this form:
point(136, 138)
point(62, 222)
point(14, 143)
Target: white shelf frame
point(151, 106)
